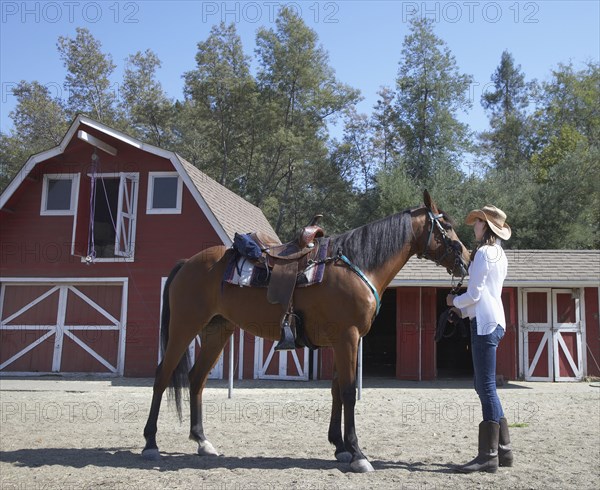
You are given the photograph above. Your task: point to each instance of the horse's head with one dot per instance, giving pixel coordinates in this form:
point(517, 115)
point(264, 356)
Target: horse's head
point(436, 239)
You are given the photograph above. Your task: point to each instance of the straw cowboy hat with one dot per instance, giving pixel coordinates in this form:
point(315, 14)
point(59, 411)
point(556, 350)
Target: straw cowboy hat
point(495, 218)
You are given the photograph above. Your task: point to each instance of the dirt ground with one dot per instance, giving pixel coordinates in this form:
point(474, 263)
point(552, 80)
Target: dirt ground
point(80, 433)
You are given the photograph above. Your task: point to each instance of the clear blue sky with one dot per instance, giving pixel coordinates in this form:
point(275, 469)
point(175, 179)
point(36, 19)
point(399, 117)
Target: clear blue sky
point(363, 38)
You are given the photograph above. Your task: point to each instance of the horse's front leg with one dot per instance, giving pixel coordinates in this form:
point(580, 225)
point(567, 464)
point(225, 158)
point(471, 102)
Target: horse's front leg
point(214, 337)
point(335, 424)
point(346, 353)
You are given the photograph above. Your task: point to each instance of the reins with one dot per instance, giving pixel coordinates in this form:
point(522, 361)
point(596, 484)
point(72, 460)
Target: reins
point(354, 268)
point(361, 274)
point(434, 220)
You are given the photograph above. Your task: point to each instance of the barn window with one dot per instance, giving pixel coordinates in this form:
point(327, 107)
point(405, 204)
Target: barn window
point(164, 193)
point(59, 194)
point(109, 226)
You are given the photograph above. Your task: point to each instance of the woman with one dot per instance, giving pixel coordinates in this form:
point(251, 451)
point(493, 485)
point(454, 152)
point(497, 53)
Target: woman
point(482, 303)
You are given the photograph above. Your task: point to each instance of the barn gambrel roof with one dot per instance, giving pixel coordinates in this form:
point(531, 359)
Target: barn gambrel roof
point(225, 210)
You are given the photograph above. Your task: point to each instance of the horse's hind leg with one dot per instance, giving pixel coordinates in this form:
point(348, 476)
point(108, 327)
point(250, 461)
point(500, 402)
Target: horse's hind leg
point(174, 353)
point(214, 337)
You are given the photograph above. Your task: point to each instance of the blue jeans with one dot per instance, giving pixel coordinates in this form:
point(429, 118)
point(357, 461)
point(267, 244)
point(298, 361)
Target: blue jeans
point(483, 349)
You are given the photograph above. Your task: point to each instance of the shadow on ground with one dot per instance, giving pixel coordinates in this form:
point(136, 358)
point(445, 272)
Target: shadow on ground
point(130, 458)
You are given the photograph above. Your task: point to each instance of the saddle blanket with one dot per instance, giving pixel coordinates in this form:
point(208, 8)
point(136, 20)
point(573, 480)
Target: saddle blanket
point(245, 272)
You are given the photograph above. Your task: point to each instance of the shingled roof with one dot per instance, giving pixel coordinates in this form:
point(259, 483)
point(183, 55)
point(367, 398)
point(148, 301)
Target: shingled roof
point(234, 213)
point(226, 211)
point(526, 268)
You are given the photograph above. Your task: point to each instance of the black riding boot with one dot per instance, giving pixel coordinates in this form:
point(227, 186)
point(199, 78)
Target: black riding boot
point(487, 458)
point(505, 455)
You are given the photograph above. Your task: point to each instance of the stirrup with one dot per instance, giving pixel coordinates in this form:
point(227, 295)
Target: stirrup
point(287, 341)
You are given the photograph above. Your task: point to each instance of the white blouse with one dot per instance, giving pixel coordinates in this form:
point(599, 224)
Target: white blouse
point(483, 298)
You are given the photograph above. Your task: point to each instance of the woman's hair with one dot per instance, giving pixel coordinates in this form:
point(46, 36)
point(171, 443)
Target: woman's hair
point(489, 238)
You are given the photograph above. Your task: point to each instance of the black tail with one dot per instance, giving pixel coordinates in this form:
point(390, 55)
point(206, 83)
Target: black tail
point(180, 379)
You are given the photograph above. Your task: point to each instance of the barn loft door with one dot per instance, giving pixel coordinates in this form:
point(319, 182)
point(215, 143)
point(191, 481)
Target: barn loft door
point(551, 335)
point(106, 217)
point(126, 214)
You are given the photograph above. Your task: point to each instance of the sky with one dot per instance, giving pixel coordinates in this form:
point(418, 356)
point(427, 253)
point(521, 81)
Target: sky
point(363, 39)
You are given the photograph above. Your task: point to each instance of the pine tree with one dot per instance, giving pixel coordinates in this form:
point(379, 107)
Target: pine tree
point(387, 145)
point(506, 143)
point(430, 90)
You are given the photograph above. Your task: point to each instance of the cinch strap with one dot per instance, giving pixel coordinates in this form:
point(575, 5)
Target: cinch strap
point(361, 274)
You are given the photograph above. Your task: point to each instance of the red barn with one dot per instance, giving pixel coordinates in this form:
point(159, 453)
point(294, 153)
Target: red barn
point(66, 309)
point(82, 271)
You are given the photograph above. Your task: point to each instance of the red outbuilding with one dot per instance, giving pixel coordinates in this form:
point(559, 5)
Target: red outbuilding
point(551, 304)
point(90, 230)
point(82, 268)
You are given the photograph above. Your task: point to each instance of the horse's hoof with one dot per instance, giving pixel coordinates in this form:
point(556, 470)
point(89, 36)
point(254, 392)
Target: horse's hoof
point(205, 448)
point(361, 466)
point(151, 454)
point(343, 457)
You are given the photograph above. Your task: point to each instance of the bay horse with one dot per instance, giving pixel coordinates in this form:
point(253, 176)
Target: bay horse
point(197, 302)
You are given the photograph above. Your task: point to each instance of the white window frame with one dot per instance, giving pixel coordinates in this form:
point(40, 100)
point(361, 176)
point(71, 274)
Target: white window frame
point(74, 178)
point(127, 209)
point(124, 239)
point(150, 193)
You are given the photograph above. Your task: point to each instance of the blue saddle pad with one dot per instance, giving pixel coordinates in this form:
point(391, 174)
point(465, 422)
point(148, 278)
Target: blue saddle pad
point(246, 246)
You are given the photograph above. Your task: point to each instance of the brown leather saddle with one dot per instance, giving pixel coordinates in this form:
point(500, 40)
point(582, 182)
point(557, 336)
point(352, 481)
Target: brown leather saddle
point(286, 261)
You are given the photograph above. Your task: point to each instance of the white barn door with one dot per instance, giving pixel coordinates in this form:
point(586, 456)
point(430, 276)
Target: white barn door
point(271, 364)
point(566, 332)
point(536, 332)
point(49, 326)
point(551, 335)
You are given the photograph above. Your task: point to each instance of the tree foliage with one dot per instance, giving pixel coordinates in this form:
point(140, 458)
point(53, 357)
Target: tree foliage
point(88, 77)
point(144, 102)
point(506, 142)
point(220, 94)
point(265, 132)
point(430, 90)
point(298, 93)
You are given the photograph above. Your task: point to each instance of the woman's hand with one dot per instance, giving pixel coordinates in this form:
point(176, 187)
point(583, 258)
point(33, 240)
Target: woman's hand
point(456, 311)
point(450, 299)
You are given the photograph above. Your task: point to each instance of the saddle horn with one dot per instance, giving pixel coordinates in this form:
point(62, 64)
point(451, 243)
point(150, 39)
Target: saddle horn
point(315, 219)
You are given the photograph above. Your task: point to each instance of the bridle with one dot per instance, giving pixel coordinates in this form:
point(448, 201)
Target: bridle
point(434, 220)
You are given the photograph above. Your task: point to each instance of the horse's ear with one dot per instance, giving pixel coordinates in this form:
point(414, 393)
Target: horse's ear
point(429, 203)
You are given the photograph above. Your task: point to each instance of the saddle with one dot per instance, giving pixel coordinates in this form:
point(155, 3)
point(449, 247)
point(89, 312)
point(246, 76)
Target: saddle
point(295, 249)
point(286, 261)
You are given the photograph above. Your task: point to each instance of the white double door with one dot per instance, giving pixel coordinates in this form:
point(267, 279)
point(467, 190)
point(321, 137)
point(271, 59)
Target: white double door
point(551, 335)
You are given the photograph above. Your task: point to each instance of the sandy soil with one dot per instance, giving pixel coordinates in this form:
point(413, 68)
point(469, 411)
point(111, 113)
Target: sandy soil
point(77, 433)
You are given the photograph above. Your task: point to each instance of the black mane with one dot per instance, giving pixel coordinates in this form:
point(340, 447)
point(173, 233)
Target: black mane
point(372, 244)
